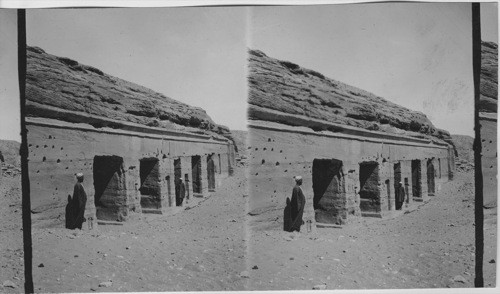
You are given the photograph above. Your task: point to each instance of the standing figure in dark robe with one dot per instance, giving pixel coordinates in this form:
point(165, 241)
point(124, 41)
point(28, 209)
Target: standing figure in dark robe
point(78, 202)
point(297, 205)
point(287, 216)
point(400, 196)
point(180, 192)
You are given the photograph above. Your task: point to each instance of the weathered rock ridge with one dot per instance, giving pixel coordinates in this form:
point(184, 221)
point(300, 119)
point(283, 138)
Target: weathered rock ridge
point(288, 88)
point(63, 83)
point(489, 77)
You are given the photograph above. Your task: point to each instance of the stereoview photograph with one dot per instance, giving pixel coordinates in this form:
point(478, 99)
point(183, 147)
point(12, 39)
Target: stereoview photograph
point(232, 148)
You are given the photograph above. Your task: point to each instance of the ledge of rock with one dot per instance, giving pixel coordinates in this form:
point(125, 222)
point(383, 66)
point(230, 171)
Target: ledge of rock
point(489, 77)
point(63, 83)
point(288, 88)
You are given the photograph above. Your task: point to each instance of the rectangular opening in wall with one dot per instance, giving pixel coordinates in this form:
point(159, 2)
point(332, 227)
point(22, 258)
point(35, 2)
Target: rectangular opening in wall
point(110, 189)
point(439, 165)
point(389, 196)
point(329, 191)
point(397, 175)
point(431, 186)
point(150, 188)
point(177, 178)
point(416, 181)
point(220, 165)
point(211, 173)
point(169, 190)
point(407, 187)
point(369, 191)
point(186, 182)
point(196, 173)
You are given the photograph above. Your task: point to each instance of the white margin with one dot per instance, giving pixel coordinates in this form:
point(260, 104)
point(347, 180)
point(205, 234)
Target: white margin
point(22, 4)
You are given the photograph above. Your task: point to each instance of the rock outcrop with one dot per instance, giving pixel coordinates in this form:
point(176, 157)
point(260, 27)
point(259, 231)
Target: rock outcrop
point(10, 161)
point(489, 78)
point(464, 160)
point(285, 87)
point(58, 83)
point(9, 152)
point(463, 144)
point(240, 139)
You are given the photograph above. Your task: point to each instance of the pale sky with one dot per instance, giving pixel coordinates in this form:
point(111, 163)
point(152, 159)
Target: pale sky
point(418, 55)
point(194, 55)
point(9, 87)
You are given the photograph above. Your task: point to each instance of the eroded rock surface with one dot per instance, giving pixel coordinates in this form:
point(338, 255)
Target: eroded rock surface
point(63, 83)
point(288, 88)
point(240, 139)
point(463, 144)
point(489, 77)
point(9, 152)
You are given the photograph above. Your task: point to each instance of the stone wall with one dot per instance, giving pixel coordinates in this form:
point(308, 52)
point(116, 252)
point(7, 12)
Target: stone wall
point(279, 152)
point(58, 150)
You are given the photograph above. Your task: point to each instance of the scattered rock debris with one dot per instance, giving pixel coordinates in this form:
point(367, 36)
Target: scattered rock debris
point(319, 287)
point(106, 284)
point(9, 284)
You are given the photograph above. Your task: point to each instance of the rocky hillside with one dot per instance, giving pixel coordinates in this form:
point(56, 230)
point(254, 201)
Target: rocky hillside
point(463, 145)
point(288, 88)
point(54, 82)
point(240, 139)
point(9, 150)
point(464, 153)
point(489, 77)
point(10, 161)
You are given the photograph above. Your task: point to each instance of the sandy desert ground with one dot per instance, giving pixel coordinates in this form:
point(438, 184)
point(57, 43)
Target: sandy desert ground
point(11, 231)
point(428, 246)
point(208, 248)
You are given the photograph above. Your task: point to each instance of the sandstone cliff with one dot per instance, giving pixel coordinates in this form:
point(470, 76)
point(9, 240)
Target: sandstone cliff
point(489, 77)
point(283, 86)
point(58, 83)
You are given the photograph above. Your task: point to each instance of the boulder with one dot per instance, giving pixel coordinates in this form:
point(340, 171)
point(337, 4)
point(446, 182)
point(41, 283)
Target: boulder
point(9, 284)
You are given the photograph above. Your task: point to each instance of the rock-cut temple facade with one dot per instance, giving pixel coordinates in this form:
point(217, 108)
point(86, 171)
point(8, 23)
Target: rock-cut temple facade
point(131, 148)
point(351, 148)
